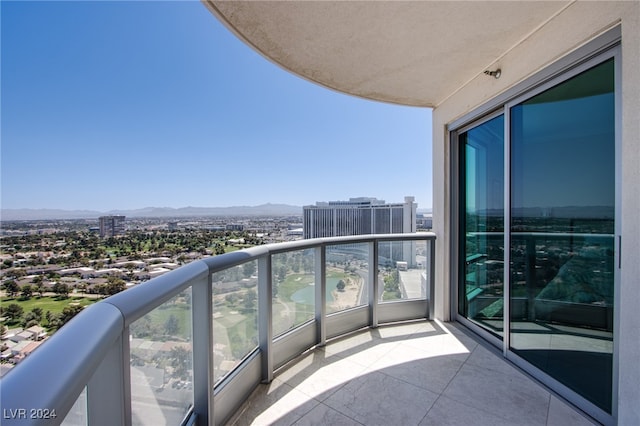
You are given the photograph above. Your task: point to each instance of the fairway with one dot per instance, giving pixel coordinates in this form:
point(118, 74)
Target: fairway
point(52, 304)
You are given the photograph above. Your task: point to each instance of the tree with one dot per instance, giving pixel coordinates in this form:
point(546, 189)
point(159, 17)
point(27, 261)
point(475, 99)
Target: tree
point(27, 291)
point(250, 300)
point(282, 273)
point(30, 319)
point(144, 327)
point(16, 273)
point(53, 275)
point(13, 311)
point(248, 269)
point(171, 325)
point(68, 313)
point(40, 289)
point(61, 290)
point(392, 283)
point(11, 287)
point(180, 360)
point(231, 299)
point(114, 285)
point(38, 313)
point(341, 285)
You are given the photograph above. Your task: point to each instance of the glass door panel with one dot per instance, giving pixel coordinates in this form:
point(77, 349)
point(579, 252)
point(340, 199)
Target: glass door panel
point(480, 287)
point(562, 193)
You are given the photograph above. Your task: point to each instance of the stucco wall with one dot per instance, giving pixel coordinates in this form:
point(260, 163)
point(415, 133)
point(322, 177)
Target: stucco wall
point(575, 26)
point(629, 298)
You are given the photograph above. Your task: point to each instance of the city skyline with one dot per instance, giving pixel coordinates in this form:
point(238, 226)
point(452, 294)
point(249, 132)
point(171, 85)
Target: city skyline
point(126, 105)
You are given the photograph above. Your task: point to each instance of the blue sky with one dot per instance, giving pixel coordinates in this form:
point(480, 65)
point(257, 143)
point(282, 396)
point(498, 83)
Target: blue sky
point(123, 105)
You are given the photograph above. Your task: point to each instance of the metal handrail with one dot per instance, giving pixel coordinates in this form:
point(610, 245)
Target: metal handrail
point(51, 379)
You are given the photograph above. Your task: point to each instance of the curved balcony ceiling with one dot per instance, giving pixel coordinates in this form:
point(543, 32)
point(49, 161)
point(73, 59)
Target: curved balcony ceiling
point(411, 53)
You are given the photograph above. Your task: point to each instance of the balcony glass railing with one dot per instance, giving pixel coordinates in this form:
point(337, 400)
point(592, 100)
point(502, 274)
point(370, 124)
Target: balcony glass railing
point(161, 369)
point(403, 270)
point(293, 295)
point(235, 316)
point(193, 344)
point(347, 274)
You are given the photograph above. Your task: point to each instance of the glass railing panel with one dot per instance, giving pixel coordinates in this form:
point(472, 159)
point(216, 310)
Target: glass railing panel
point(347, 275)
point(78, 414)
point(235, 316)
point(293, 275)
point(402, 267)
point(161, 363)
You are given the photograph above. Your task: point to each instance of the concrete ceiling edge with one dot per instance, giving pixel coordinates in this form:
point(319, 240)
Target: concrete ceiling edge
point(220, 17)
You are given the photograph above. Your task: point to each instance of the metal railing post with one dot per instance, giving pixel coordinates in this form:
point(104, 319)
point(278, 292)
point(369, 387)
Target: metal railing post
point(373, 284)
point(265, 316)
point(432, 279)
point(202, 326)
point(321, 291)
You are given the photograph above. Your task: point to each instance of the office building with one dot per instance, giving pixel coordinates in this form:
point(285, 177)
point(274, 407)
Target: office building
point(359, 216)
point(110, 226)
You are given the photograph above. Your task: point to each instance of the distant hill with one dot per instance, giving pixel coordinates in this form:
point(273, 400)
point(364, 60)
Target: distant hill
point(261, 210)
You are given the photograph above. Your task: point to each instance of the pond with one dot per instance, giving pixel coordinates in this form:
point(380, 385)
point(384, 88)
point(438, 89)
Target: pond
point(306, 295)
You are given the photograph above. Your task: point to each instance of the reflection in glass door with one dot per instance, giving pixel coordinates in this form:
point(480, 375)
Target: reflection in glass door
point(562, 190)
point(560, 224)
point(481, 288)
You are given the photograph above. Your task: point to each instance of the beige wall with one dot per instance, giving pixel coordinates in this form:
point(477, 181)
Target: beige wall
point(629, 297)
point(575, 26)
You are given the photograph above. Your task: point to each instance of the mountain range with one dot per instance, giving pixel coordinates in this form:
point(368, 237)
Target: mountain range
point(261, 210)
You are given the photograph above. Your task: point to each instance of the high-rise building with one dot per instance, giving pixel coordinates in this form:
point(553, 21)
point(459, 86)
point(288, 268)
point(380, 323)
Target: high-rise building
point(359, 216)
point(110, 226)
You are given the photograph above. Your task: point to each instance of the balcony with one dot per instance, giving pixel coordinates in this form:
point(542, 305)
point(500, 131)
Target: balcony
point(335, 328)
point(412, 373)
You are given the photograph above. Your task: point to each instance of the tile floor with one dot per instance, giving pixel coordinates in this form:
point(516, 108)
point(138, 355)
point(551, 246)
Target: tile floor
point(419, 373)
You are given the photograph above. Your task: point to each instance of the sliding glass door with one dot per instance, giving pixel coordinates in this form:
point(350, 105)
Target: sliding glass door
point(542, 170)
point(481, 295)
point(562, 231)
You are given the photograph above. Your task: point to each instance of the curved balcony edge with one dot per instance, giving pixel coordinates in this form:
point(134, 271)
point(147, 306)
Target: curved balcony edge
point(92, 351)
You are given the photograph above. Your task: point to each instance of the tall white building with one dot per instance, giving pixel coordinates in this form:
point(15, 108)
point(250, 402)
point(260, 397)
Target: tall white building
point(359, 216)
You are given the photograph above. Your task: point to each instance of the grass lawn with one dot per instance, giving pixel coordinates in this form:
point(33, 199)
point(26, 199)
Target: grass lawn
point(54, 304)
point(181, 312)
point(47, 303)
point(293, 283)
